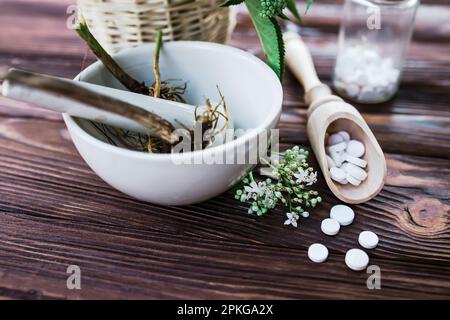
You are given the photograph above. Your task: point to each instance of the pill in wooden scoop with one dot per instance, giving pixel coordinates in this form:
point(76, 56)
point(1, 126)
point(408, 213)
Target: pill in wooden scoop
point(330, 113)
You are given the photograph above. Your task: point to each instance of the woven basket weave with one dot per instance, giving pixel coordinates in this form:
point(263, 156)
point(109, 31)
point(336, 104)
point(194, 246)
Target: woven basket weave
point(119, 24)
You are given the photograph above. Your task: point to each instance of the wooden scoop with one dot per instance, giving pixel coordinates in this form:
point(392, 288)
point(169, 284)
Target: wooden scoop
point(329, 113)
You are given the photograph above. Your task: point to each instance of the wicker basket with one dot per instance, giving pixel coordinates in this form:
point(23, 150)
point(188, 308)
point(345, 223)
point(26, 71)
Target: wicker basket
point(119, 24)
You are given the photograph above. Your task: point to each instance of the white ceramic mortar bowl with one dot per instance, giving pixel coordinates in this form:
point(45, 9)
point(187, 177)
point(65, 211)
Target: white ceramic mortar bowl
point(254, 97)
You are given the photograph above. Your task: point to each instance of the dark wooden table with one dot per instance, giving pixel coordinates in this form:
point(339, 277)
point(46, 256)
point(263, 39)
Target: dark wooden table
point(55, 212)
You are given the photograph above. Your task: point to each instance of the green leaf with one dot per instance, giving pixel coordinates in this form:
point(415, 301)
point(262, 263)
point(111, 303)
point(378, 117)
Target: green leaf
point(293, 9)
point(270, 36)
point(308, 5)
point(281, 48)
point(231, 3)
point(282, 15)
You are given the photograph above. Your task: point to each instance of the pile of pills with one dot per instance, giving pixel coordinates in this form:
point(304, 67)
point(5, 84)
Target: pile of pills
point(363, 74)
point(355, 259)
point(344, 159)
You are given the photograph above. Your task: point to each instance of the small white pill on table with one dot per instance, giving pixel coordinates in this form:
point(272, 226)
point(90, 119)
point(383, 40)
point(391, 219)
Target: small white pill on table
point(342, 214)
point(355, 171)
point(356, 161)
point(335, 139)
point(368, 239)
point(317, 253)
point(337, 174)
point(353, 181)
point(345, 135)
point(330, 227)
point(356, 259)
point(355, 148)
point(330, 162)
point(341, 146)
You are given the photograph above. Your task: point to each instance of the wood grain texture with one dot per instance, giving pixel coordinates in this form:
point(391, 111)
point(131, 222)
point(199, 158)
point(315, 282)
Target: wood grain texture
point(54, 211)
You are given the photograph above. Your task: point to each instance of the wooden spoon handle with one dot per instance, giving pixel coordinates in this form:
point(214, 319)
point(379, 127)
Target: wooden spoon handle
point(300, 62)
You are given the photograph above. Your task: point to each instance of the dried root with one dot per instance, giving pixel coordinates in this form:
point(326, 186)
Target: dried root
point(168, 92)
point(131, 140)
point(207, 121)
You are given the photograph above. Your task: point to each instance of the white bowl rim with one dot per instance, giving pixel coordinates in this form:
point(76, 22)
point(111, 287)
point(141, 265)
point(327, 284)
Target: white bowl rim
point(248, 136)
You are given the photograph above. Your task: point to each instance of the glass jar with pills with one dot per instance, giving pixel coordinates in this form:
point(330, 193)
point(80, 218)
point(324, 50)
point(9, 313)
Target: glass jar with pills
point(373, 41)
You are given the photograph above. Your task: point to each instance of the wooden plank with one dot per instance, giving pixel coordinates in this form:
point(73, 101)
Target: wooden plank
point(174, 266)
point(55, 212)
point(37, 27)
point(37, 191)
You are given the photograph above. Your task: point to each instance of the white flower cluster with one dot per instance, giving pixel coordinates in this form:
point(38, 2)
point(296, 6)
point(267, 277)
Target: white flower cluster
point(306, 176)
point(293, 174)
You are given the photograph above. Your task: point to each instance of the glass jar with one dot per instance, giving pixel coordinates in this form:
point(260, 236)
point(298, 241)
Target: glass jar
point(373, 41)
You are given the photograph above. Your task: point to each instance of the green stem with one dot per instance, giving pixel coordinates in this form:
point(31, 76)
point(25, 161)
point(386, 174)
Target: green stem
point(268, 163)
point(124, 78)
point(289, 201)
point(157, 89)
point(265, 162)
point(251, 176)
